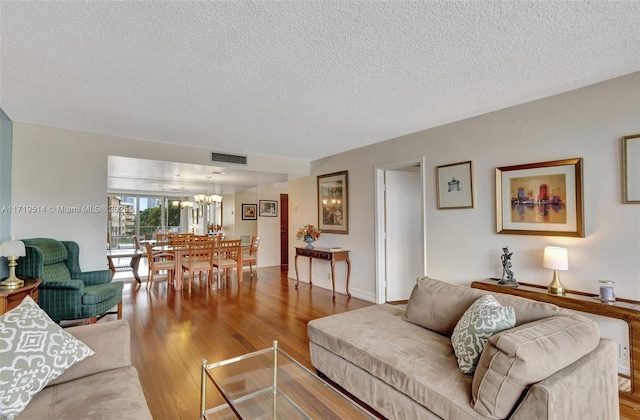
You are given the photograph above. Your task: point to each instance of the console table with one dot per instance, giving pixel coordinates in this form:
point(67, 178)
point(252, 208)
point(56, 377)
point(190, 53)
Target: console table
point(326, 254)
point(10, 298)
point(624, 309)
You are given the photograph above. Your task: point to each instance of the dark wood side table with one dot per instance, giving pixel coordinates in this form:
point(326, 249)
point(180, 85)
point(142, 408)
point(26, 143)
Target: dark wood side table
point(10, 298)
point(325, 254)
point(626, 310)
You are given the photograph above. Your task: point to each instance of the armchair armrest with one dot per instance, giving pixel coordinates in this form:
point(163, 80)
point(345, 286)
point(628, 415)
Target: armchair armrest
point(63, 285)
point(91, 278)
point(111, 342)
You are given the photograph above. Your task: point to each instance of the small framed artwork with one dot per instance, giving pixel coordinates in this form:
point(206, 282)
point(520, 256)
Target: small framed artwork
point(268, 208)
point(249, 212)
point(454, 185)
point(540, 198)
point(333, 202)
point(631, 169)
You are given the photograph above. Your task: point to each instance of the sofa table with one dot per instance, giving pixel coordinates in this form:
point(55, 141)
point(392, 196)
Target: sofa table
point(10, 298)
point(327, 254)
point(626, 310)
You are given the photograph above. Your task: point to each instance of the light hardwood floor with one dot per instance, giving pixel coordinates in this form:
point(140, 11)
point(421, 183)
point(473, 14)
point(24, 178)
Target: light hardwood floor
point(173, 331)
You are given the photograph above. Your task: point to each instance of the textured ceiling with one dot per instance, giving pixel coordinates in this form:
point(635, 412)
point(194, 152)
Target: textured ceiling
point(301, 80)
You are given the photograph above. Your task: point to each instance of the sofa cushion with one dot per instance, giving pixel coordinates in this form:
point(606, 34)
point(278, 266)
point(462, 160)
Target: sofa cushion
point(517, 358)
point(34, 352)
point(100, 292)
point(484, 318)
point(57, 271)
point(111, 395)
point(438, 306)
point(415, 361)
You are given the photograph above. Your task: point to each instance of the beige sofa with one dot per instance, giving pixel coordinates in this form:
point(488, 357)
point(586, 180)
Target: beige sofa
point(103, 386)
point(551, 365)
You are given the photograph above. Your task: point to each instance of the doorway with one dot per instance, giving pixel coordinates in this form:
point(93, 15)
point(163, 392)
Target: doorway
point(284, 229)
point(400, 229)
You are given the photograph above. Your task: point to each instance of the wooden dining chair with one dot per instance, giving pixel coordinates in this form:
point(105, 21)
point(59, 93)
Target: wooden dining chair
point(159, 261)
point(227, 257)
point(251, 257)
point(200, 260)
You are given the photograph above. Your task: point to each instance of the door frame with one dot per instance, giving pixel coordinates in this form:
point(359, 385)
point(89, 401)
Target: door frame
point(379, 172)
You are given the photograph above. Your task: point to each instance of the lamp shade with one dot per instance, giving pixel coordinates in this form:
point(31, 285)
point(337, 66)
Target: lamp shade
point(12, 248)
point(556, 258)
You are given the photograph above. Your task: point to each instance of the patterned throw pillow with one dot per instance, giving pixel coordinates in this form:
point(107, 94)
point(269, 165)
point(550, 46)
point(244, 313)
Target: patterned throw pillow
point(484, 318)
point(33, 352)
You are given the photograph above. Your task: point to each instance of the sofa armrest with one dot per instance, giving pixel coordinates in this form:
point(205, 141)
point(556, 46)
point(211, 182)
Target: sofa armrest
point(111, 342)
point(91, 278)
point(562, 396)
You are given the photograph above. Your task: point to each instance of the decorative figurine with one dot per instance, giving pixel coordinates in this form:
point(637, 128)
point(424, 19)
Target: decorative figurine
point(506, 269)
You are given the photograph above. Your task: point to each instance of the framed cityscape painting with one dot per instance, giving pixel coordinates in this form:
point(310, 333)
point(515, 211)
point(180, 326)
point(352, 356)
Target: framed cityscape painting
point(333, 202)
point(540, 198)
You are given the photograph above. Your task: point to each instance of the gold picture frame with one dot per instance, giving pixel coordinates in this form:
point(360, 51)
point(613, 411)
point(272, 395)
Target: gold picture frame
point(542, 198)
point(333, 202)
point(454, 186)
point(631, 169)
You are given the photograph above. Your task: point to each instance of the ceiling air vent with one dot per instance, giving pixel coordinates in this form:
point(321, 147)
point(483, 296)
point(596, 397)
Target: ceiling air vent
point(227, 158)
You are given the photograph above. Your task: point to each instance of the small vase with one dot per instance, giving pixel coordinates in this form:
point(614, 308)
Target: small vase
point(309, 240)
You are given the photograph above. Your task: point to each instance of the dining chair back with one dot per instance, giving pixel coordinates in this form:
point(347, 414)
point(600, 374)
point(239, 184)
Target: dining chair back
point(200, 259)
point(159, 261)
point(227, 257)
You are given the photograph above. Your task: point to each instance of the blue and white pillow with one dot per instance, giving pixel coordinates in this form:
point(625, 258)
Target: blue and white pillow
point(34, 350)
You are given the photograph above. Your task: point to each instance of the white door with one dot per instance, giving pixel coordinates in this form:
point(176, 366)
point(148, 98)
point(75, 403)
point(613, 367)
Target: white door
point(404, 235)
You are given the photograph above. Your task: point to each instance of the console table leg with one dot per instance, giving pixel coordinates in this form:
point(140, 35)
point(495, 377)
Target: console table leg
point(333, 278)
point(295, 260)
point(310, 271)
point(348, 275)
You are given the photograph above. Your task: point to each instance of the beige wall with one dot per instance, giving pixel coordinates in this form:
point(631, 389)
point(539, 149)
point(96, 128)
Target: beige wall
point(462, 244)
point(54, 168)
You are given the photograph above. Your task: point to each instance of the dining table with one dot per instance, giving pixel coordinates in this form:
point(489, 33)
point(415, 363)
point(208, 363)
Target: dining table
point(180, 251)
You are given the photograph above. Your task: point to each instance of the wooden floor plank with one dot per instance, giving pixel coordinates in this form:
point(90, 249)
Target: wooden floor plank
point(173, 331)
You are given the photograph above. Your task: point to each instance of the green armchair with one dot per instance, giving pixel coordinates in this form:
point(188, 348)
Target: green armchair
point(67, 293)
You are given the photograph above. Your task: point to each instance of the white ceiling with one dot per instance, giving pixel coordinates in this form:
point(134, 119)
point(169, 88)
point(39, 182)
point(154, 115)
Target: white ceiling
point(129, 175)
point(301, 80)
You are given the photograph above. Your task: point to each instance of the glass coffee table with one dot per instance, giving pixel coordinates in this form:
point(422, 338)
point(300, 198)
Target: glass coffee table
point(269, 384)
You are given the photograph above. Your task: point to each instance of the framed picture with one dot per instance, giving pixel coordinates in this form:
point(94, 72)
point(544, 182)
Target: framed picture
point(631, 169)
point(454, 185)
point(249, 212)
point(268, 208)
point(540, 198)
point(333, 202)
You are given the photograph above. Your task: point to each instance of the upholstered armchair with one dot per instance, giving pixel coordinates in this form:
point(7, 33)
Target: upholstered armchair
point(66, 292)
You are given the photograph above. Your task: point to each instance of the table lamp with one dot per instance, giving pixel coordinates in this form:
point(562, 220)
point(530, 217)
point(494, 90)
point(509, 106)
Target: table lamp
point(12, 249)
point(556, 258)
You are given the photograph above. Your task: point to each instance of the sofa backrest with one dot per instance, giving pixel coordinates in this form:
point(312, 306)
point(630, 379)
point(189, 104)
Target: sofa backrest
point(438, 306)
point(46, 258)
